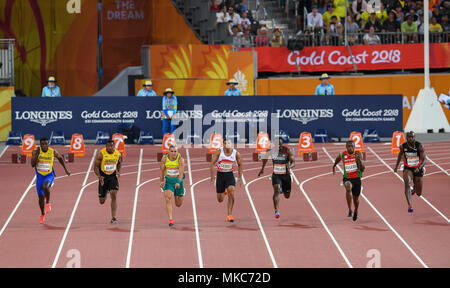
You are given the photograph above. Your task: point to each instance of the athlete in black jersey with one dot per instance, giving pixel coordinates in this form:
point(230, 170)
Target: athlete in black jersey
point(414, 159)
point(283, 161)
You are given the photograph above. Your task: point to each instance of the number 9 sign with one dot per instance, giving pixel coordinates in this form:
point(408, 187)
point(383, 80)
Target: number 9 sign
point(28, 144)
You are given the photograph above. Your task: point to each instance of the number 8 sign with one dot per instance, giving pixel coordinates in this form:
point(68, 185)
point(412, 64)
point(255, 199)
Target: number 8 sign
point(77, 145)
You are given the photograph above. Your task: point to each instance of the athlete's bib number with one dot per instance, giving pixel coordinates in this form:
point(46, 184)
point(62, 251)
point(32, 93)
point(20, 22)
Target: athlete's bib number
point(110, 168)
point(351, 167)
point(173, 172)
point(413, 161)
point(226, 166)
point(279, 169)
point(43, 167)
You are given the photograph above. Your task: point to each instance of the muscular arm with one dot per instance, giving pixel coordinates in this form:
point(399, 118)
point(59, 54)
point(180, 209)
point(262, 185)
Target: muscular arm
point(119, 165)
point(239, 162)
point(291, 159)
point(97, 163)
point(399, 158)
point(422, 156)
point(181, 169)
point(61, 161)
point(214, 159)
point(338, 159)
point(162, 169)
point(360, 162)
point(34, 157)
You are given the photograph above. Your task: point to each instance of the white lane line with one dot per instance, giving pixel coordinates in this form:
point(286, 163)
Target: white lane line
point(401, 179)
point(75, 209)
point(269, 250)
point(4, 150)
point(194, 209)
point(435, 164)
point(17, 205)
point(133, 218)
point(381, 216)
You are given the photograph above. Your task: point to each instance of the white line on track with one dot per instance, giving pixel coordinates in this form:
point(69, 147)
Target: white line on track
point(401, 179)
point(435, 164)
point(133, 218)
point(4, 150)
point(381, 216)
point(74, 210)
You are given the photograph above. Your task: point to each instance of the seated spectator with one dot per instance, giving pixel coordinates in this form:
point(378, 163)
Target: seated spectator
point(247, 39)
point(358, 7)
point(334, 32)
point(400, 16)
point(391, 4)
point(215, 6)
point(373, 21)
point(262, 39)
point(437, 13)
point(352, 30)
point(245, 22)
point(19, 93)
point(391, 26)
point(301, 13)
point(445, 25)
point(409, 28)
point(339, 8)
point(234, 17)
point(366, 15)
point(382, 15)
point(315, 20)
point(220, 16)
point(243, 6)
point(327, 15)
point(371, 38)
point(435, 27)
point(414, 14)
point(277, 39)
point(236, 36)
point(322, 6)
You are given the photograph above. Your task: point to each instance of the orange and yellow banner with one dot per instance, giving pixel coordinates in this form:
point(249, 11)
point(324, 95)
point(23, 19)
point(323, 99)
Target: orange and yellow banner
point(5, 111)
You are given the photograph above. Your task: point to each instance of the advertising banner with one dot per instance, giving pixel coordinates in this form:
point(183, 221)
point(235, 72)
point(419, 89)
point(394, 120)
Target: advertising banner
point(200, 116)
point(6, 93)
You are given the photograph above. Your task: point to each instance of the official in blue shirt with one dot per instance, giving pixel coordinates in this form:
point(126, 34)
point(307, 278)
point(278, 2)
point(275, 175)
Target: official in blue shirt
point(325, 88)
point(51, 90)
point(170, 107)
point(233, 91)
point(147, 91)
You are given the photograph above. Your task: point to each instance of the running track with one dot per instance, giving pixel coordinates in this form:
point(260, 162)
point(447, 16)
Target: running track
point(313, 230)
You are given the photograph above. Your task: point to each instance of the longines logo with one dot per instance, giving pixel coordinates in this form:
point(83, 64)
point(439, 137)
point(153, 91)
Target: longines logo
point(43, 117)
point(305, 115)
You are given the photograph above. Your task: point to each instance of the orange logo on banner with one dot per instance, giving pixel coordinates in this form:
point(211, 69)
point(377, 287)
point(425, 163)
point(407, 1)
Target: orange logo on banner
point(28, 144)
point(77, 145)
point(398, 138)
point(356, 137)
point(262, 142)
point(305, 143)
point(169, 139)
point(119, 143)
point(215, 143)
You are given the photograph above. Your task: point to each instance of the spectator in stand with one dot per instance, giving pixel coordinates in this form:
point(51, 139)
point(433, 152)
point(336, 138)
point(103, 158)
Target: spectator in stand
point(414, 15)
point(339, 8)
point(382, 15)
point(246, 39)
point(243, 6)
point(409, 28)
point(371, 38)
point(367, 14)
point(437, 13)
point(399, 15)
point(236, 36)
point(391, 26)
point(315, 24)
point(19, 93)
point(234, 17)
point(220, 16)
point(262, 39)
point(277, 39)
point(391, 4)
point(327, 15)
point(322, 6)
point(435, 27)
point(147, 91)
point(334, 32)
point(358, 7)
point(245, 22)
point(352, 30)
point(373, 21)
point(420, 28)
point(215, 6)
point(301, 6)
point(445, 25)
point(51, 90)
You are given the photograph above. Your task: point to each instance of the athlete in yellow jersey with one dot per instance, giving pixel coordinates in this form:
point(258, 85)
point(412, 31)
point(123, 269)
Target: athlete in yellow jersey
point(172, 170)
point(42, 161)
point(107, 168)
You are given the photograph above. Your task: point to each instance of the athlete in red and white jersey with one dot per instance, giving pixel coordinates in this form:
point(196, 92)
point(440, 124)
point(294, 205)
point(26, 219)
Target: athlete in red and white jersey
point(225, 159)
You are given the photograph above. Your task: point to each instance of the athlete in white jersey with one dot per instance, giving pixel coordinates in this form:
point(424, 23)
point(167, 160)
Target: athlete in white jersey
point(225, 160)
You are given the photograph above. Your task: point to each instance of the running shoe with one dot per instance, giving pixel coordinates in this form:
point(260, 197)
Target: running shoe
point(171, 223)
point(230, 218)
point(350, 213)
point(226, 191)
point(410, 209)
point(355, 216)
point(277, 214)
point(411, 189)
point(281, 191)
point(48, 208)
point(41, 220)
point(114, 221)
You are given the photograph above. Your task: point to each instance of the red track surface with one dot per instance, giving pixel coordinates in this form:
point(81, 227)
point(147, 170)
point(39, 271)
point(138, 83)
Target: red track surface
point(201, 236)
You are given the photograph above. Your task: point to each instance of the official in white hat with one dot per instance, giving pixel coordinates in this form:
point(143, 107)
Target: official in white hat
point(232, 90)
point(51, 90)
point(325, 88)
point(147, 91)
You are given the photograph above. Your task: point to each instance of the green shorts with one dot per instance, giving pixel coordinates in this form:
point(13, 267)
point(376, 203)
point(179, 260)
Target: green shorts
point(170, 185)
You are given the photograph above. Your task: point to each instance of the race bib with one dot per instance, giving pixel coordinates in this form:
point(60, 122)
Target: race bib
point(351, 167)
point(279, 168)
point(413, 161)
point(109, 168)
point(226, 166)
point(173, 172)
point(43, 167)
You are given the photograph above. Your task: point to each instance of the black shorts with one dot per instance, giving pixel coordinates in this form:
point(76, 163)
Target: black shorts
point(284, 180)
point(110, 183)
point(418, 174)
point(223, 180)
point(356, 185)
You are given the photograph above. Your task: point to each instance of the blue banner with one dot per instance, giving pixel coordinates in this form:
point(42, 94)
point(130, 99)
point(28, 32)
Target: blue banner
point(340, 115)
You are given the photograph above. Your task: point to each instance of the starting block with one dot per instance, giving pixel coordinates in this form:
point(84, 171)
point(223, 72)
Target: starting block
point(19, 158)
point(69, 157)
point(310, 156)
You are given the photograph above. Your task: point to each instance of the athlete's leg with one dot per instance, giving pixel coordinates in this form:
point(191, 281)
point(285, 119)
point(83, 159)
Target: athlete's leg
point(348, 194)
point(113, 194)
point(408, 180)
point(179, 201)
point(418, 183)
point(42, 204)
point(46, 187)
point(168, 196)
point(276, 196)
point(230, 203)
point(220, 197)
